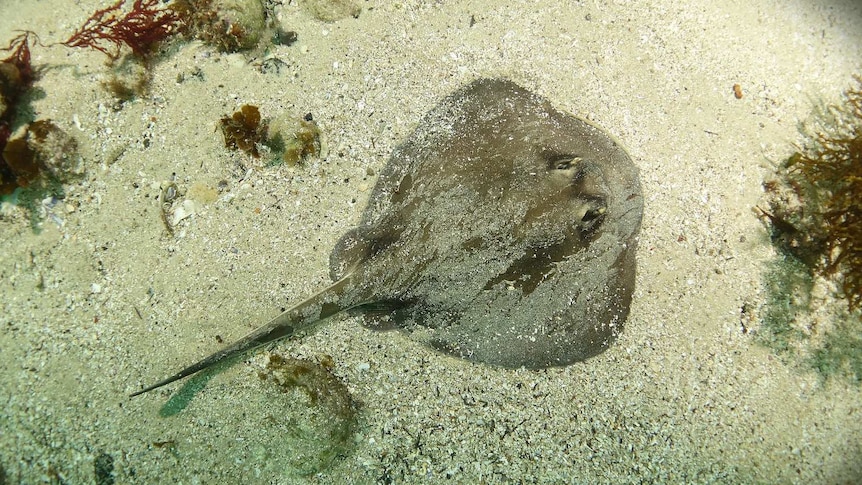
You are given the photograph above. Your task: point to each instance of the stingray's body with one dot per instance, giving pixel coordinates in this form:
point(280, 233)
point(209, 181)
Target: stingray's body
point(502, 231)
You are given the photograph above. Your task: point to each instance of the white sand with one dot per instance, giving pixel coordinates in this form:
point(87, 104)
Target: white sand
point(683, 397)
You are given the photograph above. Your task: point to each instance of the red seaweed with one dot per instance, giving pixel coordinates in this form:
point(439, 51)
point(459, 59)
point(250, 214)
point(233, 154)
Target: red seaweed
point(16, 77)
point(140, 29)
point(20, 58)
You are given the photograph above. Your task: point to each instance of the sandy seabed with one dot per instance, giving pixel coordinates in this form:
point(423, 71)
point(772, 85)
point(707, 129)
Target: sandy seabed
point(103, 300)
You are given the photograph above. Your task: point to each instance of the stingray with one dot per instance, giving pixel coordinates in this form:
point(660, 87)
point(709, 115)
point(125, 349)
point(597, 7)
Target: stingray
point(502, 231)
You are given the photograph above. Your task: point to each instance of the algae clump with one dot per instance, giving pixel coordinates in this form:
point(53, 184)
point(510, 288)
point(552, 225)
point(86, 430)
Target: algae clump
point(814, 211)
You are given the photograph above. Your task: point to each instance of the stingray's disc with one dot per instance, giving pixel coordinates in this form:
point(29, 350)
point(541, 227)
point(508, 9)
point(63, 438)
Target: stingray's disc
point(502, 231)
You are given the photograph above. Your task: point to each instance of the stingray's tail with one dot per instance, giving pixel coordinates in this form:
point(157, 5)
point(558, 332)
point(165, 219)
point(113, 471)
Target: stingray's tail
point(323, 305)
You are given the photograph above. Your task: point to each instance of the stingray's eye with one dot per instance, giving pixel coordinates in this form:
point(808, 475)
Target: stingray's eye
point(567, 163)
point(594, 214)
point(558, 161)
